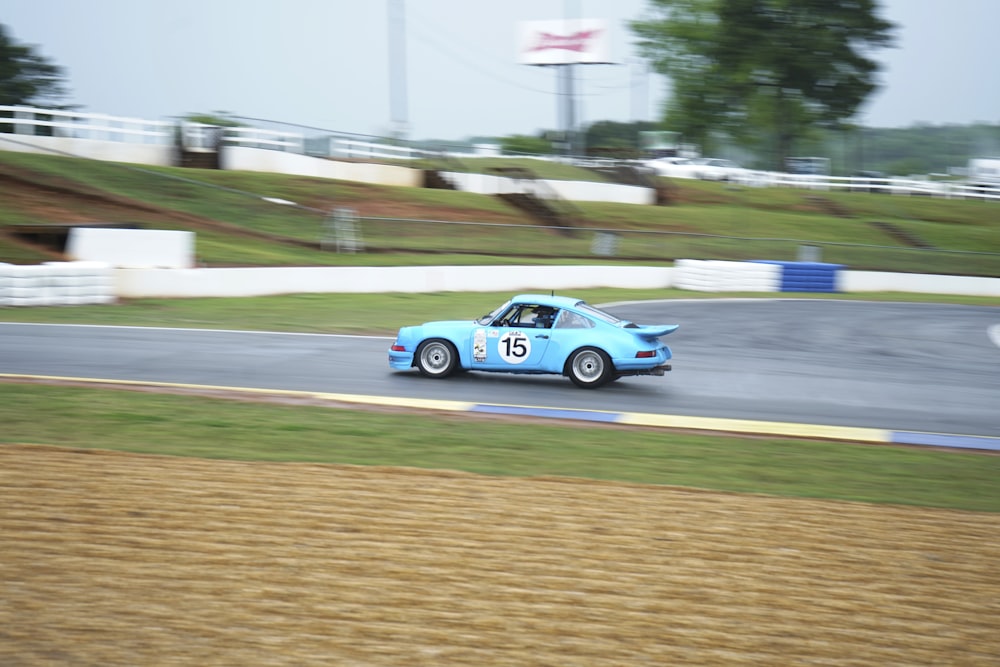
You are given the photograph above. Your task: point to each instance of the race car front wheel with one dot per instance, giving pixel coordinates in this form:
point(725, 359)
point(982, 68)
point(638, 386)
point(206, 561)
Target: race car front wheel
point(436, 358)
point(590, 368)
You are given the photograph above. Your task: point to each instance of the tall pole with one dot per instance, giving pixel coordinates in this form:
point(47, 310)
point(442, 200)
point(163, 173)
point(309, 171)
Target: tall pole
point(639, 74)
point(397, 69)
point(567, 119)
point(572, 9)
point(570, 110)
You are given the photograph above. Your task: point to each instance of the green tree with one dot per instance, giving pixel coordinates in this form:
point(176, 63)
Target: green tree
point(776, 68)
point(218, 118)
point(522, 143)
point(613, 138)
point(27, 78)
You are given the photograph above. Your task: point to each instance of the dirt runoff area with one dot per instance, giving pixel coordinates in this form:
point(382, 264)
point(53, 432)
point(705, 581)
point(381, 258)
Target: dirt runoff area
point(121, 559)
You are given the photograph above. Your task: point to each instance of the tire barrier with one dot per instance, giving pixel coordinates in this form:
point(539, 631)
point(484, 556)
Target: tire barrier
point(807, 276)
point(56, 284)
point(707, 275)
point(757, 276)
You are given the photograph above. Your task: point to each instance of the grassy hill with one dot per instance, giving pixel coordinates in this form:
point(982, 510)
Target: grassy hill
point(237, 226)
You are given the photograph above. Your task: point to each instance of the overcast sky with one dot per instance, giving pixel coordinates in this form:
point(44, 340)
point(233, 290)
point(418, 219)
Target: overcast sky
point(325, 63)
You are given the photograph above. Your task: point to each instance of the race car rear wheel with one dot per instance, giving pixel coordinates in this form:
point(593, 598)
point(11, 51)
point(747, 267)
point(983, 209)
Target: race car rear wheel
point(436, 358)
point(590, 368)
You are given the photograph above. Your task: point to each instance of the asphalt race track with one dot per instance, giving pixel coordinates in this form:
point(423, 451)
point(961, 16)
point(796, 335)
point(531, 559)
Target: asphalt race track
point(899, 367)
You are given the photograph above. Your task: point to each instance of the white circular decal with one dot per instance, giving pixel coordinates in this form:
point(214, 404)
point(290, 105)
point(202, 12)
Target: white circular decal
point(514, 347)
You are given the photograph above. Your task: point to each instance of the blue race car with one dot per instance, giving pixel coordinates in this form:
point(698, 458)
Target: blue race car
point(533, 333)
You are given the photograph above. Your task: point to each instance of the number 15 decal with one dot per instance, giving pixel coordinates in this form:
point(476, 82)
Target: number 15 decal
point(514, 347)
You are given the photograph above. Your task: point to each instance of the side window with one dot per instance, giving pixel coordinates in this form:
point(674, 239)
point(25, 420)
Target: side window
point(521, 317)
point(570, 320)
point(516, 316)
point(532, 316)
point(543, 317)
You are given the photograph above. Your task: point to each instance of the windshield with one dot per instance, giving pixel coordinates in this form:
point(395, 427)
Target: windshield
point(486, 319)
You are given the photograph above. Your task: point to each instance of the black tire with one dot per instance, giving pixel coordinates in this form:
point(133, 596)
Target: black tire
point(436, 358)
point(590, 368)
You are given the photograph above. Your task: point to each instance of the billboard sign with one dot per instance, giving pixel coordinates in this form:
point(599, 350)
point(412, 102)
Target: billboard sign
point(564, 42)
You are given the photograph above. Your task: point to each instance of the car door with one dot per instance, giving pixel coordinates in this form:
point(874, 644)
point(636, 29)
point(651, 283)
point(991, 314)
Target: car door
point(512, 342)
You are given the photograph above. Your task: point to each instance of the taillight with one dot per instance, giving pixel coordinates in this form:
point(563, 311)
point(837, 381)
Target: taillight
point(645, 354)
point(398, 348)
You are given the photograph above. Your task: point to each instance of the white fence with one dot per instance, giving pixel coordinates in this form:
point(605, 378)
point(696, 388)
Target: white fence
point(909, 186)
point(76, 125)
point(46, 127)
point(252, 137)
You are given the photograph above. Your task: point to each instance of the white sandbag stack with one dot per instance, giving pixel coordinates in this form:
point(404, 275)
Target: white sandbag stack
point(4, 283)
point(724, 276)
point(56, 284)
point(77, 283)
point(25, 285)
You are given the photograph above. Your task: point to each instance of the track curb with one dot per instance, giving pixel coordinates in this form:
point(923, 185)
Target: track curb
point(675, 422)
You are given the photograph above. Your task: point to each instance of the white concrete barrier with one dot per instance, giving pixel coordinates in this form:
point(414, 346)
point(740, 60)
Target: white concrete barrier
point(167, 283)
point(94, 149)
point(254, 159)
point(491, 184)
point(484, 184)
point(136, 248)
point(876, 281)
point(603, 192)
point(66, 283)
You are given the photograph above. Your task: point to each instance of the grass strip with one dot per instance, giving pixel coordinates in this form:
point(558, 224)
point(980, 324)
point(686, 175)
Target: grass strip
point(366, 313)
point(218, 428)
